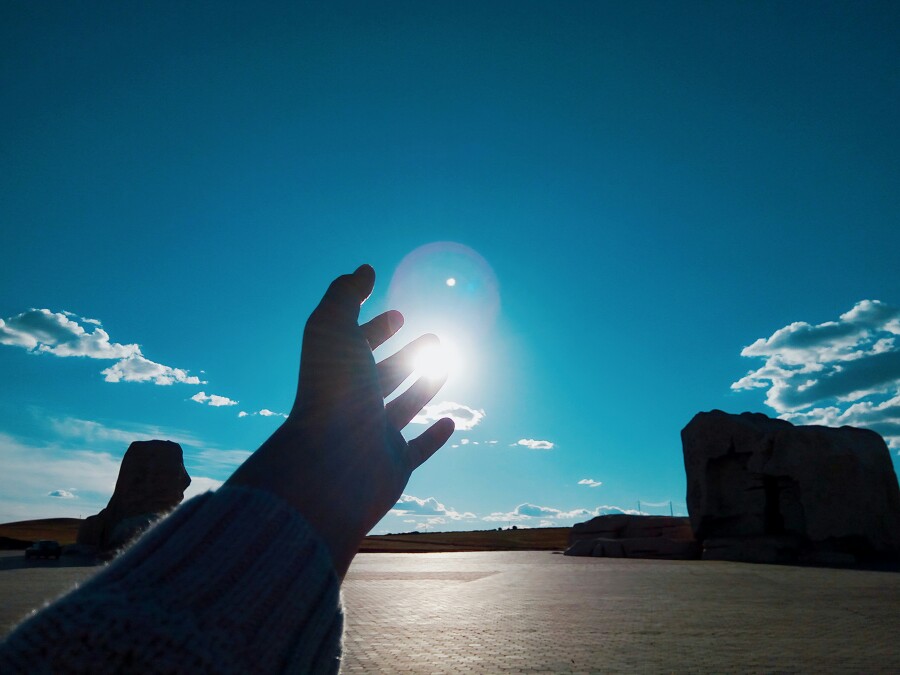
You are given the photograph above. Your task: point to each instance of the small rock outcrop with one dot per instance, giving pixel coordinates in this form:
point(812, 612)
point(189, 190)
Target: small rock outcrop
point(627, 536)
point(764, 490)
point(152, 480)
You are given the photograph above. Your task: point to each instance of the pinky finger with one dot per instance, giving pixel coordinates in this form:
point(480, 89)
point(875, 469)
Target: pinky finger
point(430, 441)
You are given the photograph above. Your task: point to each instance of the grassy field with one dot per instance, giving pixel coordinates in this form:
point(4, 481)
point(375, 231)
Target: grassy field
point(538, 539)
point(65, 531)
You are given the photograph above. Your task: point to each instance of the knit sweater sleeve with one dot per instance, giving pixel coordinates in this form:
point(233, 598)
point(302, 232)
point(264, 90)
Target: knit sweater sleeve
point(231, 582)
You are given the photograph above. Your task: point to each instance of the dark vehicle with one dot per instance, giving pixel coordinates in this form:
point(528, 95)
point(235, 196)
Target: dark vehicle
point(44, 549)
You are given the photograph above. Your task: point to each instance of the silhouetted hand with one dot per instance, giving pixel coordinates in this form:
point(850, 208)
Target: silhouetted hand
point(340, 458)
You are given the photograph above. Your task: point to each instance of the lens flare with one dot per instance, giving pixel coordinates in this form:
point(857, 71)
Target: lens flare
point(447, 285)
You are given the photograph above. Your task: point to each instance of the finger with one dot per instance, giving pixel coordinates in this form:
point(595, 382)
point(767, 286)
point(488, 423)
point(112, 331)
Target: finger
point(424, 446)
point(378, 330)
point(397, 367)
point(346, 293)
point(407, 405)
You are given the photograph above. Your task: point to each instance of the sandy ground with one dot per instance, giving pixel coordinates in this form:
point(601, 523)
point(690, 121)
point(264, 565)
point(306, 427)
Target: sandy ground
point(535, 611)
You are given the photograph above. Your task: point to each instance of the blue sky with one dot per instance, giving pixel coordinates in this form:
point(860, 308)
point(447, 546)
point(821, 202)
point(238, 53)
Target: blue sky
point(651, 209)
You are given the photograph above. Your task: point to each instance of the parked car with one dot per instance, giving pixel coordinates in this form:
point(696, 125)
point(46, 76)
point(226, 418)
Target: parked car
point(44, 549)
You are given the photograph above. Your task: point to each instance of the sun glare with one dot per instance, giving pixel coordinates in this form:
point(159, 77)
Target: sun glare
point(436, 361)
point(451, 282)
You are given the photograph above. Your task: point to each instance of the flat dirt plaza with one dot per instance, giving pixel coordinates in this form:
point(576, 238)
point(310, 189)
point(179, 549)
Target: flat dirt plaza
point(543, 612)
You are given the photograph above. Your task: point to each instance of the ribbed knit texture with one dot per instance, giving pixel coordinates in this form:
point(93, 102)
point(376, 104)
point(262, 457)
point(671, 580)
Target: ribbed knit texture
point(231, 582)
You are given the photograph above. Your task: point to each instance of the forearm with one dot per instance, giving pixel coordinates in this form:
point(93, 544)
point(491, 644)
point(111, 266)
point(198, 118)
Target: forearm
point(234, 581)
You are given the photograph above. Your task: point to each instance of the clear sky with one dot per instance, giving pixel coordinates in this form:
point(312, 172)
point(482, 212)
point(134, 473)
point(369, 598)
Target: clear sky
point(650, 209)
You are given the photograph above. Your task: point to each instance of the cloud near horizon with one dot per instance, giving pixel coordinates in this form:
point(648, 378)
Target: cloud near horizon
point(410, 506)
point(844, 372)
point(31, 472)
point(62, 334)
point(527, 512)
point(590, 482)
point(463, 416)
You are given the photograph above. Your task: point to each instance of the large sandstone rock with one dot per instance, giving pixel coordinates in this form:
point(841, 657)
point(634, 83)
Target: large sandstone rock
point(152, 480)
point(764, 490)
point(627, 536)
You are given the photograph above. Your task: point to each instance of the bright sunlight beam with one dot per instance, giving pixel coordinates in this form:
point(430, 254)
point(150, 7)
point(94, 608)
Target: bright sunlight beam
point(436, 361)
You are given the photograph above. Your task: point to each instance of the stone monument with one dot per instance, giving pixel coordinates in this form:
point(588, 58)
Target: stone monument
point(764, 490)
point(152, 480)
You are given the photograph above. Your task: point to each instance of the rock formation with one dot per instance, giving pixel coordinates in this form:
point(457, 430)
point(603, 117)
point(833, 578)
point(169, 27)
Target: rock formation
point(626, 536)
point(764, 490)
point(152, 480)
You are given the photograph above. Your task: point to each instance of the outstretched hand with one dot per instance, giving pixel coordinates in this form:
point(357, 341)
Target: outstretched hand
point(340, 458)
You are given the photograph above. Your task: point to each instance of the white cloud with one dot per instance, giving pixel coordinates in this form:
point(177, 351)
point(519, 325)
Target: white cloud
point(533, 444)
point(136, 368)
point(214, 400)
point(265, 412)
point(590, 482)
point(834, 373)
point(527, 512)
point(465, 417)
point(410, 506)
point(62, 494)
point(201, 484)
point(62, 334)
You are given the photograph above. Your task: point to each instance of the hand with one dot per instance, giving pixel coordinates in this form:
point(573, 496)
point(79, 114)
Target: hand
point(340, 458)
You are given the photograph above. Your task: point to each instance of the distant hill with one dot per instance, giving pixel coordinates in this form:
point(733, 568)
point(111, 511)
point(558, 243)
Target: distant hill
point(14, 535)
point(19, 535)
point(536, 539)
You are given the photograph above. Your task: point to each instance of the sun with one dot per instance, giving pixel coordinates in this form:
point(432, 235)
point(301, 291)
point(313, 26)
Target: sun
point(451, 282)
point(437, 361)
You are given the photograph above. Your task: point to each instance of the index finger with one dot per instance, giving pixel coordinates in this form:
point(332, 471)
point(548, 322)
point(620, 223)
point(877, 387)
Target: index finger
point(346, 294)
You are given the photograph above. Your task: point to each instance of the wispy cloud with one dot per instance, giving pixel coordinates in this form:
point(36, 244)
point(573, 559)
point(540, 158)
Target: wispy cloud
point(214, 400)
point(834, 373)
point(95, 432)
point(533, 444)
point(200, 485)
point(410, 506)
point(590, 482)
point(33, 471)
point(215, 463)
point(265, 412)
point(63, 334)
point(465, 417)
point(528, 512)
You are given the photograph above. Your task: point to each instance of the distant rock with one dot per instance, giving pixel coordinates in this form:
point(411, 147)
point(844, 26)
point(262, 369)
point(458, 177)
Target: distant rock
point(764, 490)
point(627, 536)
point(152, 480)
